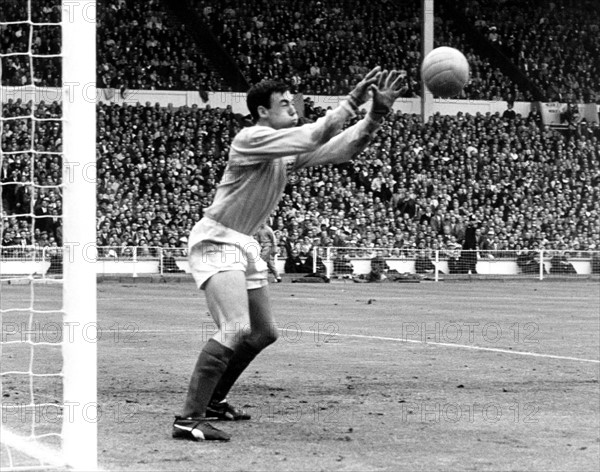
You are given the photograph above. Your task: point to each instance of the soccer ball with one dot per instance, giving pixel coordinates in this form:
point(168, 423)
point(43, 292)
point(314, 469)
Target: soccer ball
point(445, 71)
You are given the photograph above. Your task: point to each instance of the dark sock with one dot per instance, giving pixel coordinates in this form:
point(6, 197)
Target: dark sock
point(212, 363)
point(243, 355)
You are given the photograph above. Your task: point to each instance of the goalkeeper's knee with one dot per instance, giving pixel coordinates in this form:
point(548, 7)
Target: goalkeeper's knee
point(259, 340)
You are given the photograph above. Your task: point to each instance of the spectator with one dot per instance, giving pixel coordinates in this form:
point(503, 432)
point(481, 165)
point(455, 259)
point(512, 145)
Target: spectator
point(342, 264)
point(526, 261)
point(469, 253)
point(314, 268)
point(509, 114)
point(293, 263)
point(56, 262)
point(560, 263)
point(595, 262)
point(423, 262)
point(453, 254)
point(169, 264)
point(490, 244)
point(379, 267)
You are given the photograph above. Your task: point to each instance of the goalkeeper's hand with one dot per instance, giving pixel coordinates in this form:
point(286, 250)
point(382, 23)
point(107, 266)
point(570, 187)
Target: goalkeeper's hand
point(360, 94)
point(386, 90)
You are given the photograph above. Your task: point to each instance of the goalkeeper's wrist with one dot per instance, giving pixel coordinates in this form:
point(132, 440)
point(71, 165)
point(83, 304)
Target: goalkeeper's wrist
point(353, 102)
point(378, 115)
point(379, 110)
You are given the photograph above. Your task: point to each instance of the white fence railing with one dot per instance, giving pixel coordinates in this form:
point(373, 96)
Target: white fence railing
point(335, 262)
point(126, 260)
point(345, 261)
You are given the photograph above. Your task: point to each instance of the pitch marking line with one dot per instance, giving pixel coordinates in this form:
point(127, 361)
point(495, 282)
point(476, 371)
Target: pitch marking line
point(465, 346)
point(405, 298)
point(414, 341)
point(194, 299)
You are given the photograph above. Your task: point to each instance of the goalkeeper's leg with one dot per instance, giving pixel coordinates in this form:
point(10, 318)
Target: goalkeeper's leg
point(263, 332)
point(227, 301)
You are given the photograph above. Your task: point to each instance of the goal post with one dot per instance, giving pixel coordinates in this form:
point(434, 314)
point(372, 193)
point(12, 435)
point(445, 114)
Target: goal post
point(80, 410)
point(48, 368)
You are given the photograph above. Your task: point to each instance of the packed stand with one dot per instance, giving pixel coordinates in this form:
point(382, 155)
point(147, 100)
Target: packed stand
point(555, 43)
point(487, 82)
point(416, 187)
point(141, 47)
point(17, 70)
point(154, 184)
point(351, 35)
point(31, 215)
point(304, 40)
point(512, 184)
point(327, 47)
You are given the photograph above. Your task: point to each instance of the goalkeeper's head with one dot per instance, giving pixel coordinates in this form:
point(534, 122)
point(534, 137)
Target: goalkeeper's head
point(271, 104)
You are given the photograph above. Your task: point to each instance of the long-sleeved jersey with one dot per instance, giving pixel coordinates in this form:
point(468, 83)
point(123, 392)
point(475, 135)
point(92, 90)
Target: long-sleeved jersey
point(261, 157)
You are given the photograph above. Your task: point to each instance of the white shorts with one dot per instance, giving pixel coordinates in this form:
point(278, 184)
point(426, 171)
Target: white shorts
point(214, 248)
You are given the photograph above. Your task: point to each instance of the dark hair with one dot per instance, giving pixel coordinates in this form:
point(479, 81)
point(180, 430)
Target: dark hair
point(260, 95)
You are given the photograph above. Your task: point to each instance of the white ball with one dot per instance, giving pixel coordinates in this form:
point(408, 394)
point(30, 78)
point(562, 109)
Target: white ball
point(445, 71)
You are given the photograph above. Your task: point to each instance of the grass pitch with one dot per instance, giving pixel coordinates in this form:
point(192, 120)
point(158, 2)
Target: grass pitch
point(430, 376)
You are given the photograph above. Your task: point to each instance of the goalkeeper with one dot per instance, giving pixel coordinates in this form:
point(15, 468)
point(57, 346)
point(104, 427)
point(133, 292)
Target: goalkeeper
point(225, 259)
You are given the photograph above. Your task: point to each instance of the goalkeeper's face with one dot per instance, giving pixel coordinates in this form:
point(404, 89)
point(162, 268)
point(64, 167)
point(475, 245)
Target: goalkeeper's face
point(282, 113)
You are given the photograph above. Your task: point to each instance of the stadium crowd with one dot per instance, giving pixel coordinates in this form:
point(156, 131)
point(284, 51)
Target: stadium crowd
point(16, 41)
point(416, 186)
point(258, 35)
point(556, 43)
point(142, 46)
point(139, 47)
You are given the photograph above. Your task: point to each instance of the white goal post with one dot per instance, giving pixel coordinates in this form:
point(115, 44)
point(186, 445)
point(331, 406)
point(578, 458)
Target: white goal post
point(80, 434)
point(39, 390)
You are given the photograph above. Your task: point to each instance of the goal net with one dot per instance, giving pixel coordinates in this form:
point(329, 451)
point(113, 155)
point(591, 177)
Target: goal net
point(47, 167)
